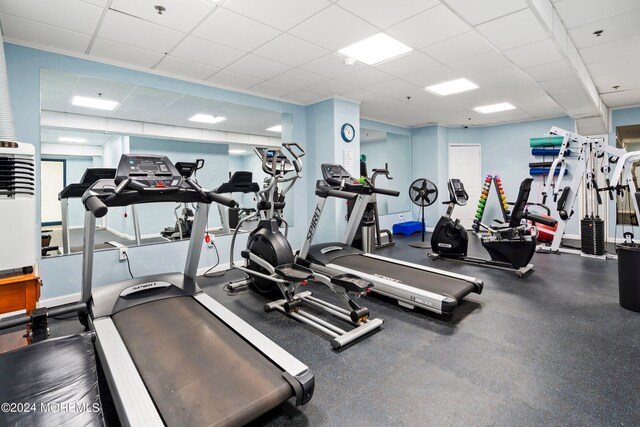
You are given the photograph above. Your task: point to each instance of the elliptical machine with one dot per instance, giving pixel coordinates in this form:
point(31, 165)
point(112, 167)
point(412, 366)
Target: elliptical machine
point(272, 266)
point(510, 246)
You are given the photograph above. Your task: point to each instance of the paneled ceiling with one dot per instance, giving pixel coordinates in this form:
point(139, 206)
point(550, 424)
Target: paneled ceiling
point(287, 49)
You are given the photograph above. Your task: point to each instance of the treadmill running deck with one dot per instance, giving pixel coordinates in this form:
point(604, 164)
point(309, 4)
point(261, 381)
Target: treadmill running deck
point(432, 282)
point(198, 370)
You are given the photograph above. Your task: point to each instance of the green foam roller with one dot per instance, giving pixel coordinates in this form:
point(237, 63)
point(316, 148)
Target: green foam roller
point(546, 141)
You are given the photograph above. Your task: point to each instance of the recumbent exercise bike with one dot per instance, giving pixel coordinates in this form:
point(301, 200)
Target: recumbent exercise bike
point(510, 246)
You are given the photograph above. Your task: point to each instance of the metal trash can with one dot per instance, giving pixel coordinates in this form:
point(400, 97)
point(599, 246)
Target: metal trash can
point(629, 275)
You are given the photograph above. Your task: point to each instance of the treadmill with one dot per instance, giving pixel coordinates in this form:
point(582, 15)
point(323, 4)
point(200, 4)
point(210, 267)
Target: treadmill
point(239, 182)
point(412, 285)
point(171, 354)
point(75, 191)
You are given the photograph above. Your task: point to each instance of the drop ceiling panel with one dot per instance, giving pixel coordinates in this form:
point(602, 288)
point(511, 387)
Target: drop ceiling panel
point(410, 63)
point(182, 67)
point(460, 47)
point(47, 35)
point(298, 79)
point(236, 80)
point(476, 12)
point(396, 89)
point(331, 87)
point(365, 77)
point(56, 13)
point(383, 13)
point(481, 64)
point(256, 66)
point(281, 14)
point(625, 63)
point(331, 66)
point(429, 27)
point(361, 95)
point(553, 70)
point(231, 29)
point(345, 29)
point(621, 99)
point(303, 97)
point(615, 28)
point(123, 53)
point(534, 54)
point(206, 52)
point(513, 30)
point(181, 15)
point(270, 88)
point(542, 106)
point(433, 76)
point(575, 13)
point(625, 79)
point(612, 50)
point(101, 3)
point(136, 32)
point(567, 92)
point(290, 50)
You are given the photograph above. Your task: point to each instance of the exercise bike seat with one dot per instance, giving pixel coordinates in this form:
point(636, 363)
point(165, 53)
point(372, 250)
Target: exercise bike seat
point(351, 283)
point(293, 272)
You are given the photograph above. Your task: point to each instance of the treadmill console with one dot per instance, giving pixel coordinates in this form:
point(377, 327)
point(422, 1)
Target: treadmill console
point(337, 176)
point(92, 175)
point(457, 193)
point(269, 157)
point(148, 172)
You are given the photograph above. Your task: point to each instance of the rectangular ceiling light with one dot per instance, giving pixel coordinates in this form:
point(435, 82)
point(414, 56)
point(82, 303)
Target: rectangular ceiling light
point(234, 151)
point(98, 103)
point(276, 128)
point(375, 49)
point(494, 108)
point(70, 139)
point(452, 87)
point(207, 118)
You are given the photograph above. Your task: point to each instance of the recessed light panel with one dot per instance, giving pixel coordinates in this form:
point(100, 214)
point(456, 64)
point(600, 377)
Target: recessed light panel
point(494, 108)
point(207, 118)
point(97, 103)
point(276, 128)
point(70, 139)
point(452, 87)
point(375, 49)
point(234, 151)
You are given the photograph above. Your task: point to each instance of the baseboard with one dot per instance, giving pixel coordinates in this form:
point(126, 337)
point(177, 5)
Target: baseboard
point(61, 300)
point(119, 234)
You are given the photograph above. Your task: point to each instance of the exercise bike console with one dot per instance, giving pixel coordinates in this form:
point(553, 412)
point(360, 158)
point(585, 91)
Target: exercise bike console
point(457, 193)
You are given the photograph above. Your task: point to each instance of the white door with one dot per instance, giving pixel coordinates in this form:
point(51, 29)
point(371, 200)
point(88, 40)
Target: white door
point(465, 165)
point(52, 182)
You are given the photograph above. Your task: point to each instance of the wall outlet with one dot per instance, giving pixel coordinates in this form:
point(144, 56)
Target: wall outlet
point(122, 253)
point(401, 218)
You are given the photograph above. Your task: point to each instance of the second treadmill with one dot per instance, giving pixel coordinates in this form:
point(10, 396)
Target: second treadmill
point(412, 285)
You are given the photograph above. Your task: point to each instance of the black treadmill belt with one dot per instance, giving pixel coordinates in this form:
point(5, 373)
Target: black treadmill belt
point(421, 279)
point(198, 371)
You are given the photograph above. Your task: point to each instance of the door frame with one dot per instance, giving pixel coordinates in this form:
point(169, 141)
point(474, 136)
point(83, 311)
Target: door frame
point(64, 184)
point(456, 144)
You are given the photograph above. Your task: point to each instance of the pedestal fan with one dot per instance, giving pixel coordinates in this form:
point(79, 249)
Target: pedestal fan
point(423, 193)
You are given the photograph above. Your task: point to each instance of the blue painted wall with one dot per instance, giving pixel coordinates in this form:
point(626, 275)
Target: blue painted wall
point(62, 275)
point(505, 151)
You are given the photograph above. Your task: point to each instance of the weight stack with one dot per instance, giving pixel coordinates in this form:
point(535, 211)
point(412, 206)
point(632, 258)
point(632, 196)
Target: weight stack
point(593, 236)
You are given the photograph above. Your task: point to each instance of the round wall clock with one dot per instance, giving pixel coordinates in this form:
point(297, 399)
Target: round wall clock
point(348, 132)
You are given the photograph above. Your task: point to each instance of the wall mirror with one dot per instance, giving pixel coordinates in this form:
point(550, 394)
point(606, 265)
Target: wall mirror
point(88, 123)
point(393, 150)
